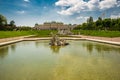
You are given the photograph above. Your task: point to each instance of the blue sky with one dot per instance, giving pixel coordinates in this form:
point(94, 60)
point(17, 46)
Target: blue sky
point(29, 12)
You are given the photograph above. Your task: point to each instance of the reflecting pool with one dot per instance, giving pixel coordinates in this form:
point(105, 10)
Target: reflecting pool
point(81, 60)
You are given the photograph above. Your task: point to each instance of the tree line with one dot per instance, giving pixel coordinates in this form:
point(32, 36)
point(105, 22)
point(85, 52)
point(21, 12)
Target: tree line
point(5, 26)
point(100, 24)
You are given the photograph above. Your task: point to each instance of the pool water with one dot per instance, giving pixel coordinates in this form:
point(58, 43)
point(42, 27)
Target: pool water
point(81, 60)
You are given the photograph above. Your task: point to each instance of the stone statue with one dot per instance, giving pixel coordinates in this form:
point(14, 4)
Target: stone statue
point(56, 41)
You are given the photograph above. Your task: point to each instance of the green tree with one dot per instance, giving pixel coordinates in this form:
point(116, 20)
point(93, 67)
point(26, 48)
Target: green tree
point(99, 18)
point(99, 24)
point(36, 24)
point(12, 23)
point(24, 28)
point(90, 24)
point(3, 22)
point(78, 27)
point(84, 26)
point(107, 24)
point(11, 26)
point(90, 20)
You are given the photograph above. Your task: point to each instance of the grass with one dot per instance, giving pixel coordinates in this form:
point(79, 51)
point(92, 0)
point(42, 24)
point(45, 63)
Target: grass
point(47, 33)
point(98, 33)
point(43, 33)
point(7, 34)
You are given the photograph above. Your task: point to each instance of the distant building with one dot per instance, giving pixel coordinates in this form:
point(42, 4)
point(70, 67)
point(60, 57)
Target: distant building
point(53, 26)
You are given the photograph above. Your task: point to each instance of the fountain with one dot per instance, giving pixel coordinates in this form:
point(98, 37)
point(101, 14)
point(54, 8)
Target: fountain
point(56, 41)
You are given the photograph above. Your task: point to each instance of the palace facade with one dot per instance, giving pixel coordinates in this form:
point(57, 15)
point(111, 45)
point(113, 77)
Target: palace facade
point(53, 26)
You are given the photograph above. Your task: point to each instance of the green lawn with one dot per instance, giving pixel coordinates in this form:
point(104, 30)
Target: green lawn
point(6, 34)
point(98, 33)
point(43, 33)
point(46, 33)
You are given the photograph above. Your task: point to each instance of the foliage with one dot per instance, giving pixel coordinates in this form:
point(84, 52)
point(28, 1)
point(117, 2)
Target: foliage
point(23, 28)
point(36, 24)
point(4, 26)
point(3, 22)
point(12, 23)
point(105, 24)
point(78, 27)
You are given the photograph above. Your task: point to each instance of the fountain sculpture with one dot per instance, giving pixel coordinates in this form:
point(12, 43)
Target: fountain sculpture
point(56, 41)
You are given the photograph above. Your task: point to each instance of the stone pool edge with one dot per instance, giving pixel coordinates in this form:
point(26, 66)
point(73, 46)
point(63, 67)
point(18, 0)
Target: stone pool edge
point(103, 41)
point(67, 38)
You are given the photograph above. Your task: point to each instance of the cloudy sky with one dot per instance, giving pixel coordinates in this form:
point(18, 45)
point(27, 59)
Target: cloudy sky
point(29, 12)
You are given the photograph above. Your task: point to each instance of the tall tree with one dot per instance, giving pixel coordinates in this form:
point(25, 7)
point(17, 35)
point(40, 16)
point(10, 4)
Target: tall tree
point(99, 18)
point(90, 20)
point(36, 24)
point(107, 23)
point(90, 23)
point(3, 22)
point(12, 23)
point(99, 23)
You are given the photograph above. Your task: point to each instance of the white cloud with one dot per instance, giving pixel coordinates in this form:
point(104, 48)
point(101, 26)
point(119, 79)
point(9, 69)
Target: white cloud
point(113, 16)
point(27, 0)
point(21, 12)
point(92, 4)
point(118, 3)
point(106, 4)
point(66, 2)
point(76, 6)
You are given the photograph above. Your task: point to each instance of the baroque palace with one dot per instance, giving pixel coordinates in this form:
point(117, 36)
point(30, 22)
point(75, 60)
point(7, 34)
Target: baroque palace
point(54, 26)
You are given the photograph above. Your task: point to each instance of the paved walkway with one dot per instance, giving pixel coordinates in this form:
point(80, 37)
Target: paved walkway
point(115, 41)
point(14, 38)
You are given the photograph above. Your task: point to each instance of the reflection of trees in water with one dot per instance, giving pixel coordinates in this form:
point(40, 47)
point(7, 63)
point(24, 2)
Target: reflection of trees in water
point(55, 49)
point(13, 47)
point(100, 48)
point(4, 51)
point(41, 42)
point(37, 43)
point(89, 47)
point(26, 42)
